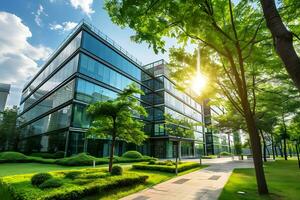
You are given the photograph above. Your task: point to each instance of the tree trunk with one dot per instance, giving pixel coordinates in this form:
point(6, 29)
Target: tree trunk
point(264, 145)
point(283, 40)
point(112, 146)
point(111, 156)
point(276, 153)
point(256, 150)
point(284, 148)
point(297, 151)
point(273, 147)
point(280, 149)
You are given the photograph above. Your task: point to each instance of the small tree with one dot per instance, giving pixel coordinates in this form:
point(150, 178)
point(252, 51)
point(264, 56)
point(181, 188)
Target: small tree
point(9, 134)
point(118, 119)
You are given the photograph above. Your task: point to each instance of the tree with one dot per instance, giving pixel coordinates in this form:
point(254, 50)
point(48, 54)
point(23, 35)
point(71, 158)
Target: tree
point(229, 35)
point(283, 38)
point(118, 119)
point(294, 129)
point(9, 134)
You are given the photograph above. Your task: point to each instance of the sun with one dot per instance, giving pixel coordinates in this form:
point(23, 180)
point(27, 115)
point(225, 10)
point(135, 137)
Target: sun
point(198, 83)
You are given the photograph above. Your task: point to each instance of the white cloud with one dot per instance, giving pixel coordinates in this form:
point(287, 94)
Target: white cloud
point(37, 16)
point(84, 5)
point(64, 27)
point(17, 56)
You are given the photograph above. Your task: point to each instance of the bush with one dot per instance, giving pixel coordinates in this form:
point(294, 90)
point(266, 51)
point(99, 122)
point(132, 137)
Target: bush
point(51, 183)
point(81, 159)
point(18, 187)
point(224, 153)
point(116, 170)
point(165, 168)
point(59, 154)
point(40, 178)
point(152, 162)
point(209, 157)
point(132, 154)
point(73, 174)
point(42, 155)
point(11, 156)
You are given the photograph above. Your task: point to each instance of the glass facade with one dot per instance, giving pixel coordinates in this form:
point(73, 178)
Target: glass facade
point(87, 70)
point(62, 95)
point(54, 64)
point(64, 73)
point(106, 53)
point(54, 121)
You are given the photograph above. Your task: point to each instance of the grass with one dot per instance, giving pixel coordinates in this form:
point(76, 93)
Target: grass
point(154, 178)
point(282, 177)
point(7, 169)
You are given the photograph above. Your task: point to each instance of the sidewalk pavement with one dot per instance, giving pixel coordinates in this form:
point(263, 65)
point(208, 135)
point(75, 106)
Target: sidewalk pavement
point(204, 184)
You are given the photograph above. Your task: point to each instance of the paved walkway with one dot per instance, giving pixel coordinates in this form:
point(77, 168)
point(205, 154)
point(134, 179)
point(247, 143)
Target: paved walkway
point(205, 184)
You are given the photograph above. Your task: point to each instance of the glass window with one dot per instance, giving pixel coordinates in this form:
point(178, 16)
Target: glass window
point(54, 121)
point(55, 63)
point(100, 72)
point(53, 82)
point(104, 52)
point(59, 97)
point(80, 117)
point(89, 92)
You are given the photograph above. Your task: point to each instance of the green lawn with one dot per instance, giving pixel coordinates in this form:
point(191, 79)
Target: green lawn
point(7, 169)
point(283, 179)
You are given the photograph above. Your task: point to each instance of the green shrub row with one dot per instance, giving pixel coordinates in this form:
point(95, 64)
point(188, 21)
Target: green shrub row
point(225, 153)
point(81, 159)
point(16, 157)
point(58, 154)
point(165, 168)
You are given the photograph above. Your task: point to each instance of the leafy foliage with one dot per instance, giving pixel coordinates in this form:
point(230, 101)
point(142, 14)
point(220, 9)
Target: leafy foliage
point(167, 167)
point(40, 178)
point(117, 170)
point(132, 154)
point(51, 183)
point(117, 119)
point(20, 187)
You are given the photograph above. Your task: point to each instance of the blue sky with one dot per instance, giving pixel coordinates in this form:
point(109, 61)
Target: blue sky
point(32, 29)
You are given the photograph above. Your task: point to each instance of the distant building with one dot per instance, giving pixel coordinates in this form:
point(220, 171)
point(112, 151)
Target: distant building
point(4, 91)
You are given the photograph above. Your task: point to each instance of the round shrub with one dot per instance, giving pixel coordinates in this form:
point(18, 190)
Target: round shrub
point(51, 183)
point(77, 160)
point(152, 162)
point(73, 174)
point(117, 170)
point(224, 153)
point(11, 156)
point(59, 154)
point(169, 162)
point(132, 154)
point(40, 178)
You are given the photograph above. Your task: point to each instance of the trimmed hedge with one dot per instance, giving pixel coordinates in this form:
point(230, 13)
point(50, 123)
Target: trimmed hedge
point(225, 153)
point(209, 157)
point(51, 183)
point(81, 159)
point(132, 154)
point(116, 170)
point(20, 188)
point(58, 154)
point(166, 168)
point(40, 178)
point(16, 157)
point(11, 156)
